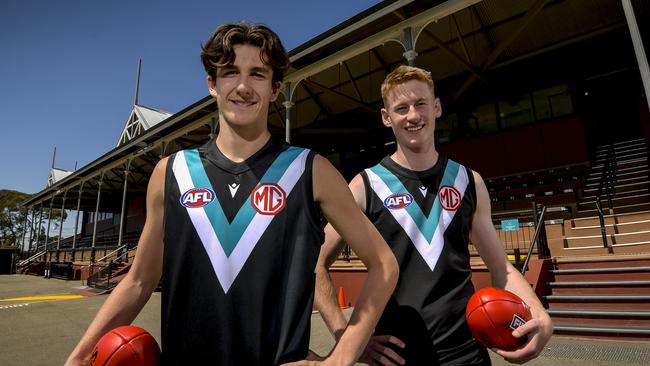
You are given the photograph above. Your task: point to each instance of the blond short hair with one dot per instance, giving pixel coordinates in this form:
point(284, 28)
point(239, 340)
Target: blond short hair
point(403, 74)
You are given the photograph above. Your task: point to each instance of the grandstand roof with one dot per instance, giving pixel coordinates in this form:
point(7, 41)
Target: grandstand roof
point(56, 175)
point(141, 119)
point(472, 47)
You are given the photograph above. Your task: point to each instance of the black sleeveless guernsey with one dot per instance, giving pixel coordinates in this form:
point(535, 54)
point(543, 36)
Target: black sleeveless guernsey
point(241, 242)
point(425, 218)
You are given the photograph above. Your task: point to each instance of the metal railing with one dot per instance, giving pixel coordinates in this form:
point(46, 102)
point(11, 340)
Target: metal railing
point(606, 184)
point(102, 278)
point(31, 259)
point(538, 238)
point(120, 248)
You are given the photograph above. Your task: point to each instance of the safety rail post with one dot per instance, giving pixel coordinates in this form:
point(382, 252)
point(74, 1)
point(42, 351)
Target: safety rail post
point(603, 228)
point(109, 274)
point(607, 179)
point(538, 228)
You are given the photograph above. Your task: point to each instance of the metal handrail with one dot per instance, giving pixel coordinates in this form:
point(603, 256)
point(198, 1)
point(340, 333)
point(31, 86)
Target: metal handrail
point(31, 259)
point(608, 176)
point(92, 263)
point(607, 179)
point(538, 230)
point(601, 222)
point(113, 252)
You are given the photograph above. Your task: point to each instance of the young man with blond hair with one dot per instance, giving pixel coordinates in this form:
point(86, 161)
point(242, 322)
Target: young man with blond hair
point(428, 208)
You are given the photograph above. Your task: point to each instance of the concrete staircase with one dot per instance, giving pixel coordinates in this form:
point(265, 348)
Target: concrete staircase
point(107, 276)
point(625, 233)
point(601, 296)
point(632, 185)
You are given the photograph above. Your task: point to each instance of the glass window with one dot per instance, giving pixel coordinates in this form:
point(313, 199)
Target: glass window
point(486, 117)
point(516, 112)
point(444, 126)
point(552, 102)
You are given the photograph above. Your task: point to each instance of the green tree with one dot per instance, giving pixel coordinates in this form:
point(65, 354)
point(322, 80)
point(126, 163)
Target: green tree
point(13, 219)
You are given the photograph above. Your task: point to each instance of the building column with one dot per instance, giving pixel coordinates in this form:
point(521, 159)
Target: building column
point(163, 149)
point(99, 195)
point(408, 41)
point(127, 166)
point(289, 89)
point(31, 232)
point(213, 128)
point(22, 241)
point(49, 220)
point(76, 220)
point(38, 229)
point(641, 59)
point(58, 241)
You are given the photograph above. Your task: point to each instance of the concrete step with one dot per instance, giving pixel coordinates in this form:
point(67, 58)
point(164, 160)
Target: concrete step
point(595, 313)
point(612, 228)
point(622, 173)
point(621, 185)
point(617, 201)
point(609, 219)
point(634, 319)
point(598, 269)
point(620, 164)
point(621, 145)
point(635, 238)
point(598, 298)
point(618, 193)
point(618, 209)
point(623, 155)
point(579, 329)
point(591, 286)
point(631, 283)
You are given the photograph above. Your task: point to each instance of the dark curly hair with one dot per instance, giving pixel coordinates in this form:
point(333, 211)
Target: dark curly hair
point(219, 50)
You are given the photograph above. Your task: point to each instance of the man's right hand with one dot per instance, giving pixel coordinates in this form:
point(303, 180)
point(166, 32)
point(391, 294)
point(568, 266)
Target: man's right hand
point(378, 351)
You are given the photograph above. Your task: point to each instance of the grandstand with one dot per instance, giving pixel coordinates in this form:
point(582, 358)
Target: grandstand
point(543, 97)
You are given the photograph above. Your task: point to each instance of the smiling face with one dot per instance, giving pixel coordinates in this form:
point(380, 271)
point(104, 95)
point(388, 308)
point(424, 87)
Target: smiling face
point(411, 111)
point(244, 89)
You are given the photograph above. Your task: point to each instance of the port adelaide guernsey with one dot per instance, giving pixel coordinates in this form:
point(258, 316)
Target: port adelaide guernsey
point(241, 242)
point(425, 218)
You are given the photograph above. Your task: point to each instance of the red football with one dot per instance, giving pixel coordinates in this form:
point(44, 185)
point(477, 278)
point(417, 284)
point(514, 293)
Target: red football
point(127, 345)
point(492, 314)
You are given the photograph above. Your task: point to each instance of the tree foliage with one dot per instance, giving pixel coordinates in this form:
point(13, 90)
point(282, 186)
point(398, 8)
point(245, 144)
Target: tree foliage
point(13, 219)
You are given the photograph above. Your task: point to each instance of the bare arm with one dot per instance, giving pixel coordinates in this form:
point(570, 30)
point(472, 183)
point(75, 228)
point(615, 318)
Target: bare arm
point(132, 293)
point(325, 297)
point(540, 328)
point(338, 206)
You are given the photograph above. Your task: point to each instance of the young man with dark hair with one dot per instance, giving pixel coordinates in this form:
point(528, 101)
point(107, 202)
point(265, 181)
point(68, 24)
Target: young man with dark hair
point(428, 208)
point(234, 229)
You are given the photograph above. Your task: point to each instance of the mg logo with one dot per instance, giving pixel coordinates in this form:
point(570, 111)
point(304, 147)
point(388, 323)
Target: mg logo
point(268, 198)
point(197, 197)
point(398, 200)
point(449, 198)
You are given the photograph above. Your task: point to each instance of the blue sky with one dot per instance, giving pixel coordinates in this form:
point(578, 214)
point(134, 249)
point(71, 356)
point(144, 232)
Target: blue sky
point(68, 68)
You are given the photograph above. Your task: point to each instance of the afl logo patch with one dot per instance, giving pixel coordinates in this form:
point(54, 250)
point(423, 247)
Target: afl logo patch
point(398, 200)
point(268, 199)
point(449, 198)
point(197, 197)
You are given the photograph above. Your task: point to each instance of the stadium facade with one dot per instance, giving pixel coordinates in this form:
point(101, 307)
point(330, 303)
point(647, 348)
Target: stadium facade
point(525, 85)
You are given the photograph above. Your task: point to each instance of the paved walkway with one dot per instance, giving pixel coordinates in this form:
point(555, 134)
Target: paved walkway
point(41, 320)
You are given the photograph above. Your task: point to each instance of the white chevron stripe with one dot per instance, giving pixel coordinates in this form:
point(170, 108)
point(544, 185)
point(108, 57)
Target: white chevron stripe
point(227, 268)
point(430, 251)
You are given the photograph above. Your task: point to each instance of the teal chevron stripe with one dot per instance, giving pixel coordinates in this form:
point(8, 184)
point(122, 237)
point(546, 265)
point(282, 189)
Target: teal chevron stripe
point(230, 233)
point(448, 179)
point(426, 225)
